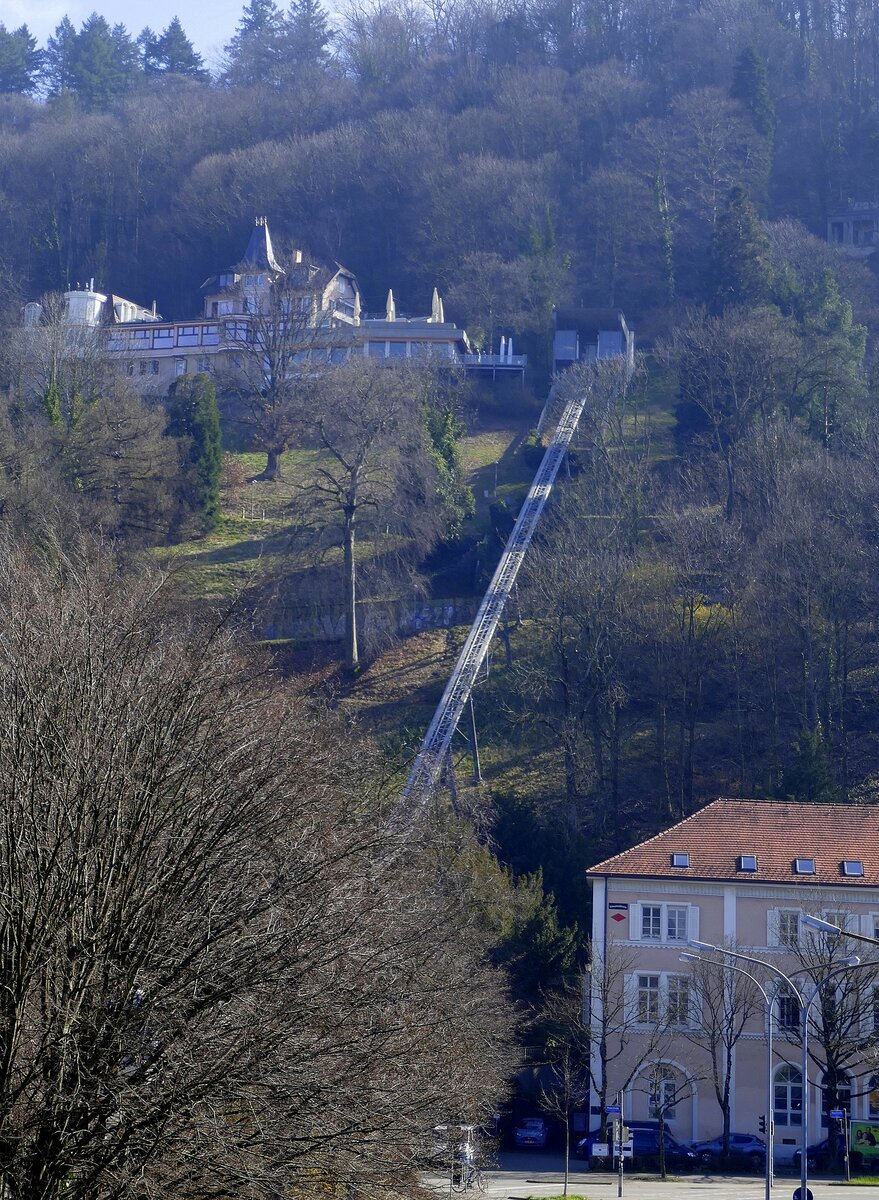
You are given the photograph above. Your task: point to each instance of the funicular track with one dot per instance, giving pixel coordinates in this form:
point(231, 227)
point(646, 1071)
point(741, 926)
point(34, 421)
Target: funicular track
point(431, 757)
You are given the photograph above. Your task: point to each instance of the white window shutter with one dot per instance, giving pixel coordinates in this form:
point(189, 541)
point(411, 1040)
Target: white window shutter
point(630, 996)
point(772, 927)
point(693, 922)
point(635, 922)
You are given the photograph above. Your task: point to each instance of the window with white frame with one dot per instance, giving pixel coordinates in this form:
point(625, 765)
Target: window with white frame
point(665, 1087)
point(179, 366)
point(784, 927)
point(679, 1000)
point(843, 1096)
point(648, 999)
point(787, 1009)
point(663, 997)
point(666, 923)
point(787, 1096)
point(651, 921)
point(676, 922)
point(842, 920)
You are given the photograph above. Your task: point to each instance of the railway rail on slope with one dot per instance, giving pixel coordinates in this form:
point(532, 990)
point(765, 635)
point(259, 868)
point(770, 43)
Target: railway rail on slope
point(431, 757)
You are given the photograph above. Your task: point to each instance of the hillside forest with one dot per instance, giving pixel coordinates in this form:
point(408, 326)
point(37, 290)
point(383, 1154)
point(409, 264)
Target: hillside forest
point(700, 614)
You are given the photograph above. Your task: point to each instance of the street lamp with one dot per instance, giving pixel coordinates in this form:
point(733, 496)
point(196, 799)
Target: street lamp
point(805, 1006)
point(688, 957)
point(828, 927)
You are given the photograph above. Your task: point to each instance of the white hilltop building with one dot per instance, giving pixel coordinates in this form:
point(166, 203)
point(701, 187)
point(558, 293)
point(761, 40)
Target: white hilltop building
point(238, 301)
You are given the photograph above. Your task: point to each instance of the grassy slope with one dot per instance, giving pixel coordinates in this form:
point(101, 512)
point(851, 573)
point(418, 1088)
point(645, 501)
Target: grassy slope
point(257, 519)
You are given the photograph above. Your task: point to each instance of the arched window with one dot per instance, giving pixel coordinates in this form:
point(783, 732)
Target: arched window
point(873, 1098)
point(843, 1096)
point(664, 1091)
point(787, 1093)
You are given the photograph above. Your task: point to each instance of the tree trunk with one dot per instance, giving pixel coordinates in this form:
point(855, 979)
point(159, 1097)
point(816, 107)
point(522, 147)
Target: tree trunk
point(352, 656)
point(567, 1152)
point(272, 472)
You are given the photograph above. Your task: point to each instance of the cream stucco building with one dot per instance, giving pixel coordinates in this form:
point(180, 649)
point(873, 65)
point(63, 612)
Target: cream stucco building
point(741, 873)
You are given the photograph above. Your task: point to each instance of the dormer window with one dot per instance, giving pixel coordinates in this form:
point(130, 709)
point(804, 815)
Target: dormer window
point(680, 860)
point(851, 867)
point(804, 866)
point(746, 862)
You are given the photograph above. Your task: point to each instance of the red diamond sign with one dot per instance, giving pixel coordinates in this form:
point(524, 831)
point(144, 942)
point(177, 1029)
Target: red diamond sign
point(617, 916)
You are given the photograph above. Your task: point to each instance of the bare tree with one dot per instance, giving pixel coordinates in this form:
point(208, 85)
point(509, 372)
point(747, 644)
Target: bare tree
point(214, 979)
point(277, 353)
point(374, 475)
point(665, 1090)
point(844, 1009)
point(621, 1032)
point(723, 1005)
point(567, 1050)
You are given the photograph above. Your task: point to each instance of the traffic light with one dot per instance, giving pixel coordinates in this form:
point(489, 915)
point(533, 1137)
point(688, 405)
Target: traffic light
point(761, 1124)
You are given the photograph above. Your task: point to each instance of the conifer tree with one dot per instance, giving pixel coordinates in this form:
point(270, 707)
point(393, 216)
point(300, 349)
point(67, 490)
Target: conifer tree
point(19, 60)
point(148, 45)
point(750, 86)
point(58, 59)
point(307, 35)
point(739, 271)
point(255, 54)
point(98, 64)
point(193, 413)
point(175, 54)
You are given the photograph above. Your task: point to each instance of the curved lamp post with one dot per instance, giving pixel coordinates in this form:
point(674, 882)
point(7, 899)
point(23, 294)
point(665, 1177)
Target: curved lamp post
point(687, 957)
point(805, 1007)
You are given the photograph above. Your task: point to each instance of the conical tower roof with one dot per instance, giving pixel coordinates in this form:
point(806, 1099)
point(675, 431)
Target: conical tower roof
point(259, 252)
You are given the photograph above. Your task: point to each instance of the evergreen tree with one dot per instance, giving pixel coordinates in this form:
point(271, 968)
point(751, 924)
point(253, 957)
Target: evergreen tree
point(105, 63)
point(750, 86)
point(148, 45)
point(193, 414)
point(175, 55)
point(19, 60)
point(739, 271)
point(255, 54)
point(58, 59)
point(810, 777)
point(307, 35)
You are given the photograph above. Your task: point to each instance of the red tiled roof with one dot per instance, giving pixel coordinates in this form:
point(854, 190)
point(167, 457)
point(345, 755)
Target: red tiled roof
point(777, 832)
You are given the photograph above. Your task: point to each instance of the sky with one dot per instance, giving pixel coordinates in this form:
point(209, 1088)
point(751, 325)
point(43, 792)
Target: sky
point(209, 24)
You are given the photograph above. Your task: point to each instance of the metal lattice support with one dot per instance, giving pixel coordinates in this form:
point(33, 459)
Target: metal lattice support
point(428, 765)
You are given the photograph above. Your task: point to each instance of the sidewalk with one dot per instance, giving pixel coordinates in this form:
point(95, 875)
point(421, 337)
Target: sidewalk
point(539, 1175)
point(601, 1186)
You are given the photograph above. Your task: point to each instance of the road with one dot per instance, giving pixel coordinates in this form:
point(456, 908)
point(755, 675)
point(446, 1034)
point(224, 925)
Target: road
point(521, 1176)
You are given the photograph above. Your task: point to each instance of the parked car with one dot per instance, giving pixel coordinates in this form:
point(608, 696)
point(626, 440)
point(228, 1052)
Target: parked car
point(818, 1156)
point(645, 1147)
point(530, 1132)
point(745, 1149)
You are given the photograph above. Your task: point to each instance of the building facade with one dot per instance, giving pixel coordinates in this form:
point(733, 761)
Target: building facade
point(319, 306)
point(855, 228)
point(740, 874)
